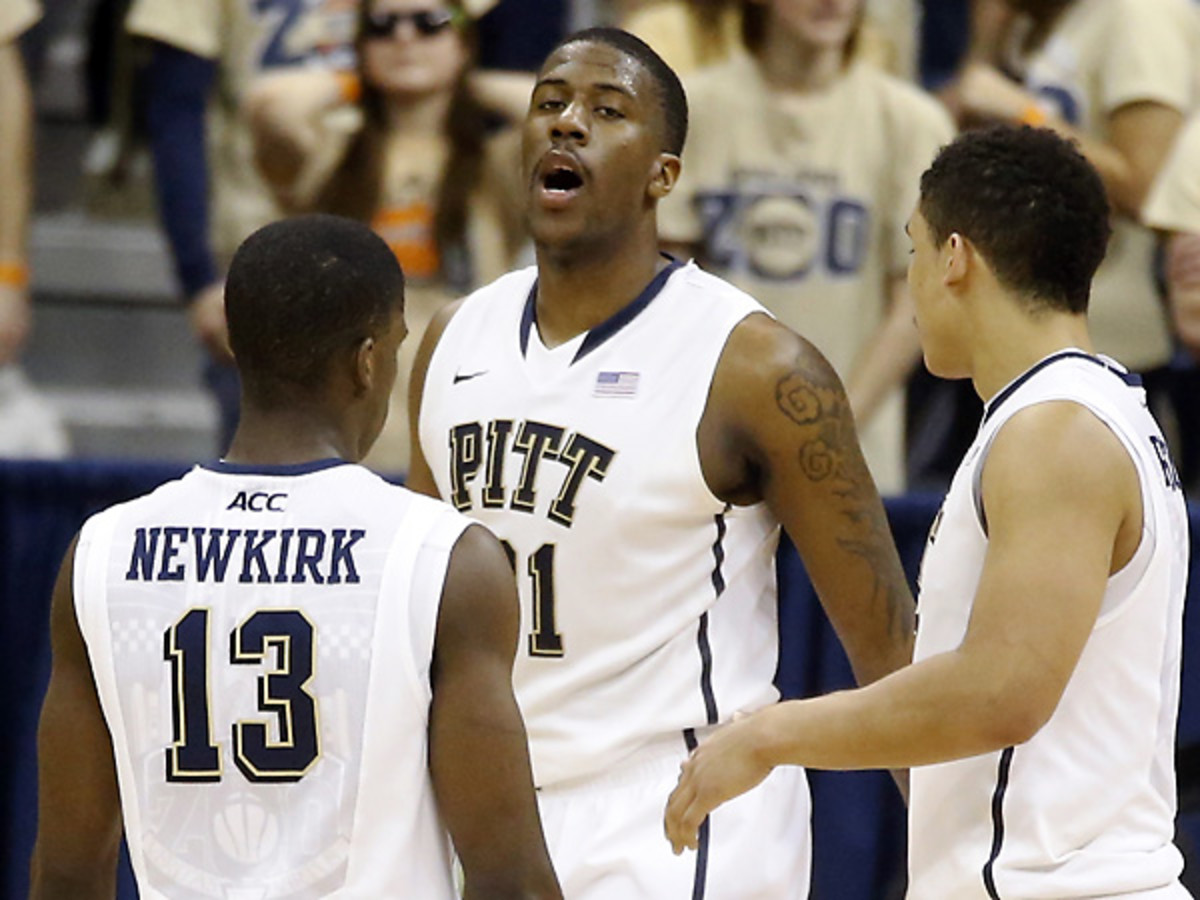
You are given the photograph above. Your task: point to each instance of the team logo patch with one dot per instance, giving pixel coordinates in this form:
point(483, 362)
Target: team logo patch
point(616, 384)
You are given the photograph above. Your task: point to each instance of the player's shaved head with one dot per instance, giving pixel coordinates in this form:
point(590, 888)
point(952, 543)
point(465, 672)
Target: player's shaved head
point(299, 292)
point(671, 96)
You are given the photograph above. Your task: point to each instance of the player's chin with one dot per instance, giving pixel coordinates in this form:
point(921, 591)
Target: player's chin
point(556, 229)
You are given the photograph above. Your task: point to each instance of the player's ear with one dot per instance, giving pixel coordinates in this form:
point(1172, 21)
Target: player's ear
point(366, 366)
point(957, 258)
point(664, 175)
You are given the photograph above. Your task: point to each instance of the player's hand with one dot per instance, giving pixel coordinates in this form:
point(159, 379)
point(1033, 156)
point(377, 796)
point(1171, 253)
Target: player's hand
point(725, 766)
point(16, 318)
point(207, 316)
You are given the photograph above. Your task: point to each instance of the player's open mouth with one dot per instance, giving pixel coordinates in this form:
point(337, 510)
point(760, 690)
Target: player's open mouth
point(562, 180)
point(559, 186)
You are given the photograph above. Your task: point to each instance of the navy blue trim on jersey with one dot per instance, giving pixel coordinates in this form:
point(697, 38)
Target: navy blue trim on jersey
point(1128, 377)
point(304, 468)
point(700, 879)
point(711, 712)
point(610, 326)
point(989, 879)
point(706, 688)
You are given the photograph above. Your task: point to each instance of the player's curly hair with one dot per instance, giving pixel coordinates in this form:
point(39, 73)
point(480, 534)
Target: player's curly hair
point(302, 290)
point(671, 96)
point(1030, 203)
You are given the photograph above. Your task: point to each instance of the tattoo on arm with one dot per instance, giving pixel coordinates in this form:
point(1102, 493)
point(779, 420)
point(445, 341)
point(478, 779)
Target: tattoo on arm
point(813, 399)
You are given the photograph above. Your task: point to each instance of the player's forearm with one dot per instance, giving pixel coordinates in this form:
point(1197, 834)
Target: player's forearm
point(863, 588)
point(940, 709)
point(15, 155)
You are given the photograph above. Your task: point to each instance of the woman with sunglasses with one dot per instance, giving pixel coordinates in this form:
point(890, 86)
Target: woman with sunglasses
point(409, 145)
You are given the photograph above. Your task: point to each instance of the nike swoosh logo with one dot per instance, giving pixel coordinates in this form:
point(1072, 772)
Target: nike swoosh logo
point(467, 376)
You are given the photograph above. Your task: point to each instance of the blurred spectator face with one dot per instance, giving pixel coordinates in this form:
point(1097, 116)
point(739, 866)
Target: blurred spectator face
point(823, 24)
point(412, 48)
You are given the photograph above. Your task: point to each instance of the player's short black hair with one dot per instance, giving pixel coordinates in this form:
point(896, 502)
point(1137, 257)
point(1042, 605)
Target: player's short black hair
point(301, 290)
point(671, 96)
point(1032, 205)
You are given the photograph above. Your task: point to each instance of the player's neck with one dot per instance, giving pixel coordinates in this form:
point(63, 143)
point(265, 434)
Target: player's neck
point(288, 437)
point(791, 65)
point(1010, 339)
point(576, 292)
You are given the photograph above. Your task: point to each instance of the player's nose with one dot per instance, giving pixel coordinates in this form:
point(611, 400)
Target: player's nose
point(571, 124)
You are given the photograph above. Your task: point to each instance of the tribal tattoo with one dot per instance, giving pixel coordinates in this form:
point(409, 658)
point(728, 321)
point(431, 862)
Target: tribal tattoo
point(812, 397)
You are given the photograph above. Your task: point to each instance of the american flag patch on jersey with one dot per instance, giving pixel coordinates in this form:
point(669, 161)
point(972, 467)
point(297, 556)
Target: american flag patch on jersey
point(616, 384)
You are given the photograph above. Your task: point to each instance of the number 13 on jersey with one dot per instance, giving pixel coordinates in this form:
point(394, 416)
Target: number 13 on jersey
point(282, 691)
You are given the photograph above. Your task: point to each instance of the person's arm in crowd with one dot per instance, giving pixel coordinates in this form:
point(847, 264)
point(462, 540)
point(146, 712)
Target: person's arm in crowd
point(1183, 287)
point(1059, 523)
point(16, 138)
point(887, 358)
point(478, 754)
point(506, 92)
point(178, 85)
point(778, 428)
point(79, 813)
point(285, 111)
point(1140, 134)
point(1139, 129)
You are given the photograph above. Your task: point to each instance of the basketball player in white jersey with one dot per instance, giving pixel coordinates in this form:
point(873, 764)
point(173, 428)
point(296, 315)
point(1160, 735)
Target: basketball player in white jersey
point(636, 430)
point(290, 676)
point(1039, 714)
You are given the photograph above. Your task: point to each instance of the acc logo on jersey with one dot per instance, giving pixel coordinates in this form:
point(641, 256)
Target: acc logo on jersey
point(258, 501)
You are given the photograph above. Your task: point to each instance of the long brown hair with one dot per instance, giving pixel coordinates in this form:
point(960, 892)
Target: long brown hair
point(355, 186)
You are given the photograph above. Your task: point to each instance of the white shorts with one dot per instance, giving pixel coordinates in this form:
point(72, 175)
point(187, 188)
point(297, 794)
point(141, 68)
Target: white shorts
point(606, 836)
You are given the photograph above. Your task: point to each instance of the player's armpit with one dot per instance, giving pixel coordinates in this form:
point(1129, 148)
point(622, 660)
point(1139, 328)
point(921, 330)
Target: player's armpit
point(79, 814)
point(1064, 511)
point(479, 758)
point(778, 427)
point(419, 477)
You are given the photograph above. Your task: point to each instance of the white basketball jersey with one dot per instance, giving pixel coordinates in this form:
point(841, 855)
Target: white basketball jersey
point(1085, 808)
point(261, 642)
point(648, 605)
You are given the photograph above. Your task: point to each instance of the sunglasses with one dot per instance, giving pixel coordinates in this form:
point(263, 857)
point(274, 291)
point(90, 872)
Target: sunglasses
point(426, 22)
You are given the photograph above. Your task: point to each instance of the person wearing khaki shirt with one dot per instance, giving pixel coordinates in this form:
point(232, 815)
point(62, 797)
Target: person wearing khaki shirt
point(799, 174)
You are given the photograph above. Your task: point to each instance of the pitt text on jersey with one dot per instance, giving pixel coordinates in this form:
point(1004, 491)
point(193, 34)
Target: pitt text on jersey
point(476, 448)
point(268, 555)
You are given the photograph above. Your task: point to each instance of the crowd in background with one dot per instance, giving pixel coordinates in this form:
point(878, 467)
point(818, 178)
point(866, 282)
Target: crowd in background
point(806, 142)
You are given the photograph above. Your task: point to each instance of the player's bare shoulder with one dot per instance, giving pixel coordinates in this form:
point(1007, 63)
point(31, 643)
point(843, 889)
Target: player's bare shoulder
point(774, 392)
